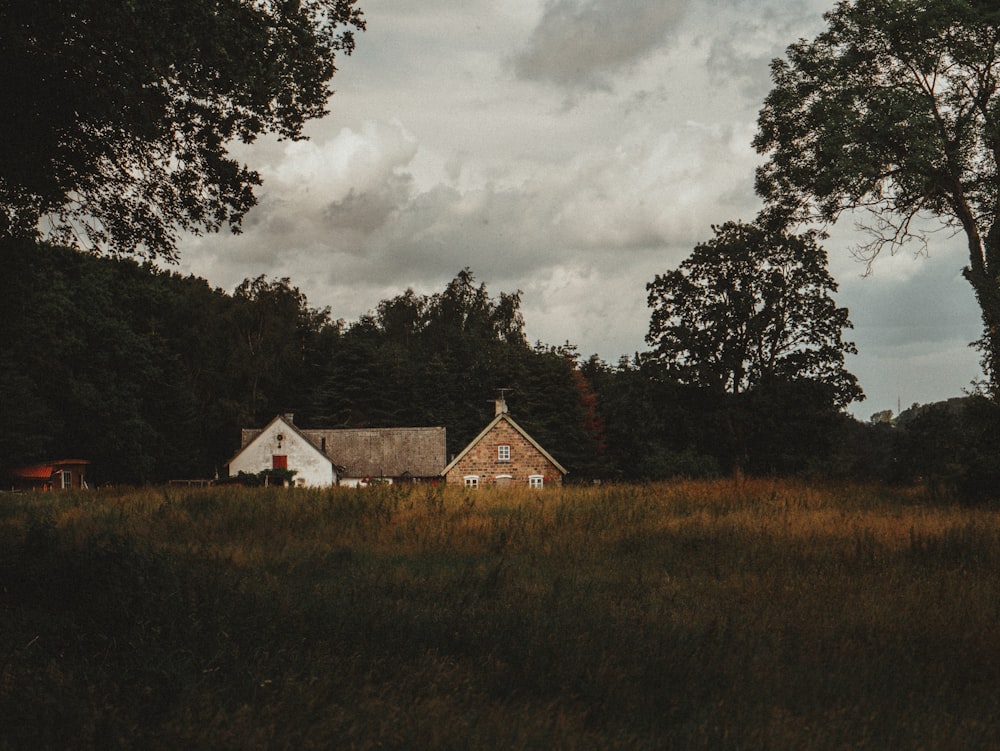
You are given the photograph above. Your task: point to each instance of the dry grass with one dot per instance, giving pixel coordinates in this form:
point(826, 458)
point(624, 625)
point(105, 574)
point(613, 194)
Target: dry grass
point(682, 615)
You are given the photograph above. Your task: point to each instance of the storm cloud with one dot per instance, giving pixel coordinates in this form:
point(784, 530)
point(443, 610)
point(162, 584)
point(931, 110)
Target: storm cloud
point(585, 44)
point(450, 144)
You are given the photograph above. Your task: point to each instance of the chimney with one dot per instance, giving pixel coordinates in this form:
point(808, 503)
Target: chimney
point(289, 418)
point(501, 406)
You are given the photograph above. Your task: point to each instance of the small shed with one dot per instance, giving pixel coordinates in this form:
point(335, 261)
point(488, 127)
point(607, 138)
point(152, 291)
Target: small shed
point(60, 474)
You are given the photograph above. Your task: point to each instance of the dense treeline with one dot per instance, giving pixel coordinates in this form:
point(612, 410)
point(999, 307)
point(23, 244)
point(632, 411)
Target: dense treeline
point(151, 374)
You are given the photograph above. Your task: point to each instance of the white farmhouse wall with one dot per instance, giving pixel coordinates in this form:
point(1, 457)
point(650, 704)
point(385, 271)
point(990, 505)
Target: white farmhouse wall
point(312, 469)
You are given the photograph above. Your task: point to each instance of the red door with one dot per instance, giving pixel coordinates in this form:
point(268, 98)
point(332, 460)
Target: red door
point(279, 462)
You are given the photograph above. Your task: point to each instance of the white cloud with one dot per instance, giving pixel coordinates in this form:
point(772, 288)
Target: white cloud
point(582, 44)
point(442, 151)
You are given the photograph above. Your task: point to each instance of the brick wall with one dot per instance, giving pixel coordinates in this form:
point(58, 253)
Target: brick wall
point(525, 460)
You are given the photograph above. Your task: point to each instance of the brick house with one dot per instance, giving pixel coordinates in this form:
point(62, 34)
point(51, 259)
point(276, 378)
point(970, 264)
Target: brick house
point(504, 455)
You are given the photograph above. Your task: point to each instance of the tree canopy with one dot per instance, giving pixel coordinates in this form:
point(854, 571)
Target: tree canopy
point(750, 307)
point(120, 113)
point(749, 319)
point(894, 111)
point(151, 375)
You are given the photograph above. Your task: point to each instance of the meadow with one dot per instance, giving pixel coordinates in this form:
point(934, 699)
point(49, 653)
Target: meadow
point(687, 615)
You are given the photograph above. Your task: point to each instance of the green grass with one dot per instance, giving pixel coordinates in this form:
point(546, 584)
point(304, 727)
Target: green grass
point(683, 616)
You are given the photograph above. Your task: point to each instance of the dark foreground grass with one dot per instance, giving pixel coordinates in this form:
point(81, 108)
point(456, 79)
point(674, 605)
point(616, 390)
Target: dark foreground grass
point(683, 616)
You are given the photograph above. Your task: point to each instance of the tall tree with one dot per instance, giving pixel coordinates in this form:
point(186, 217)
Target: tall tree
point(275, 353)
point(120, 113)
point(750, 313)
point(748, 307)
point(894, 110)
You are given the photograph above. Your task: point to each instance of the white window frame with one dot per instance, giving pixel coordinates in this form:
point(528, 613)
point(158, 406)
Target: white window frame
point(503, 452)
point(536, 481)
point(66, 480)
point(471, 481)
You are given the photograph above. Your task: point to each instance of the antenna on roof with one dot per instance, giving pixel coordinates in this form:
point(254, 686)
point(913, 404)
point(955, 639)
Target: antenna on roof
point(501, 403)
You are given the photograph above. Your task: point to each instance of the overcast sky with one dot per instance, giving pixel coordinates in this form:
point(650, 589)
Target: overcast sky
point(571, 149)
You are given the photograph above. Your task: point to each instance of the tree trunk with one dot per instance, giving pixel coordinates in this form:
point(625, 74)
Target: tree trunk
point(982, 274)
point(988, 295)
point(736, 425)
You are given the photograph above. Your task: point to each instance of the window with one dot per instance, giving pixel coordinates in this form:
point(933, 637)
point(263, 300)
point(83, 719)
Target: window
point(472, 481)
point(279, 461)
point(65, 479)
point(503, 453)
point(536, 481)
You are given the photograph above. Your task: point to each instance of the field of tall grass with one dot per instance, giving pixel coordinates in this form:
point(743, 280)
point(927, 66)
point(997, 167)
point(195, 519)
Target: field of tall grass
point(689, 615)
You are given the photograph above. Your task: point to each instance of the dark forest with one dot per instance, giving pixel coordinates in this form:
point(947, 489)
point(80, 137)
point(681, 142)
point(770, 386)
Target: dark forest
point(150, 375)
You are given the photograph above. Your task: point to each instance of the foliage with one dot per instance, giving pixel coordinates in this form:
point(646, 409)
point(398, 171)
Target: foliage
point(139, 370)
point(126, 110)
point(682, 615)
point(750, 308)
point(152, 375)
point(275, 477)
point(653, 427)
point(280, 346)
point(442, 359)
point(952, 446)
point(894, 111)
point(749, 317)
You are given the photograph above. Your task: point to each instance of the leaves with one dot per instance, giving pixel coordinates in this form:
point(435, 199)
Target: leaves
point(750, 319)
point(750, 307)
point(151, 375)
point(125, 111)
point(440, 359)
point(893, 112)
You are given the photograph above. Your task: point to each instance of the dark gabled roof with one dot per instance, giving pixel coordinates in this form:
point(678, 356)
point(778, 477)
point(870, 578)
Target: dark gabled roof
point(503, 416)
point(384, 452)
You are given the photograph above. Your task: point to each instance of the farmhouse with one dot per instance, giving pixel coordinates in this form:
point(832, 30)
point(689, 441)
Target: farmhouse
point(352, 457)
point(503, 455)
point(62, 474)
point(281, 445)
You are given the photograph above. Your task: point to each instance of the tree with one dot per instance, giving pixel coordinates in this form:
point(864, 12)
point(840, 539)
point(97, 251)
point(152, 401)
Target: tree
point(952, 447)
point(427, 360)
point(894, 111)
point(653, 428)
point(748, 307)
point(276, 355)
point(749, 316)
point(121, 112)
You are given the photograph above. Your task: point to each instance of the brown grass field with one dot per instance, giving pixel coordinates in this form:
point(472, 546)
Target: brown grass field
point(688, 615)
